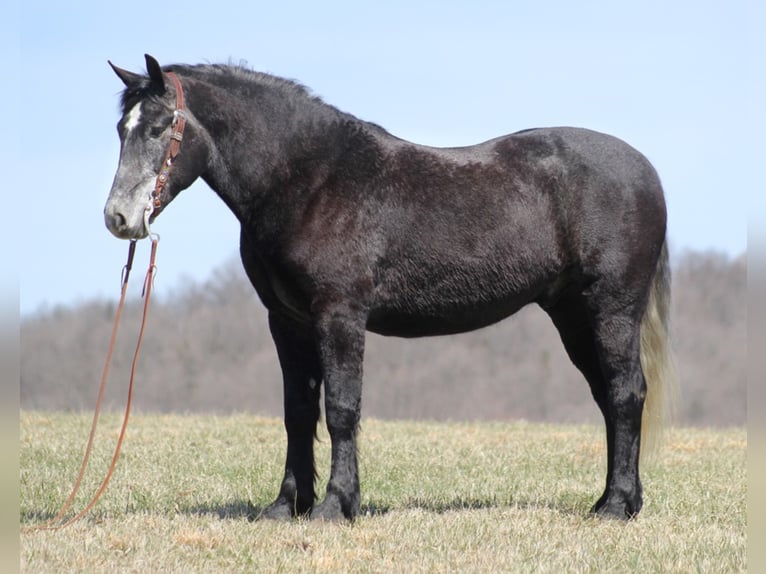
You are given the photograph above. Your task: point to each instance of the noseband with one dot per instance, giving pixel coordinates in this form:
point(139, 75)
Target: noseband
point(178, 125)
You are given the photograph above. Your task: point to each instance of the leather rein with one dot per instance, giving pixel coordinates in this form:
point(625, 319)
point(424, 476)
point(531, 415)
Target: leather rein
point(156, 199)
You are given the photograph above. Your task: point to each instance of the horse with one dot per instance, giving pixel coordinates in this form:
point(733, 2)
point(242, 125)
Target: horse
point(346, 228)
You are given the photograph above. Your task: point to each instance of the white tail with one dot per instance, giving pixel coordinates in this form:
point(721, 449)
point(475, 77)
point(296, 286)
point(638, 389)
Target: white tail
point(657, 360)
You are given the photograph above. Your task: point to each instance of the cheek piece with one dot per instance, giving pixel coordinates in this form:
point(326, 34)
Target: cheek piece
point(179, 123)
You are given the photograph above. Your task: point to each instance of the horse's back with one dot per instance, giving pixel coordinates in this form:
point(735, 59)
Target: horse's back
point(569, 168)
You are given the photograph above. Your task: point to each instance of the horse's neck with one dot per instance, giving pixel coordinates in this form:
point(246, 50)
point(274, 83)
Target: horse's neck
point(254, 156)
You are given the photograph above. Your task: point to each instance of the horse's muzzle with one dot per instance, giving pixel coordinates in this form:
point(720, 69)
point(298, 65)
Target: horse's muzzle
point(122, 225)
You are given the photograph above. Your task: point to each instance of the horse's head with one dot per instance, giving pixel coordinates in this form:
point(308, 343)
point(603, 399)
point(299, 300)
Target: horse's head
point(149, 105)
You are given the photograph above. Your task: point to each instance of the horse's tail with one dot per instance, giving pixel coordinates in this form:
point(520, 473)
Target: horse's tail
point(656, 359)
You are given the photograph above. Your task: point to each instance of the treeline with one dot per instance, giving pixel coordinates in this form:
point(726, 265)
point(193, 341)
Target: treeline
point(208, 348)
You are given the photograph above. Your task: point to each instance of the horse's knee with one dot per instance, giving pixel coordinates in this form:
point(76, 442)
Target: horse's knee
point(342, 419)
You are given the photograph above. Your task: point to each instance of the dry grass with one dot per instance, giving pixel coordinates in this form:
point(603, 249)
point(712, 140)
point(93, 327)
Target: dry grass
point(437, 497)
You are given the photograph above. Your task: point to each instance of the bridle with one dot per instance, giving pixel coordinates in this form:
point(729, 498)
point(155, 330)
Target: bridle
point(155, 202)
point(176, 136)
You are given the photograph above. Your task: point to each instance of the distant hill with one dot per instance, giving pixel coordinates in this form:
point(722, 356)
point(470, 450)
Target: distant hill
point(208, 349)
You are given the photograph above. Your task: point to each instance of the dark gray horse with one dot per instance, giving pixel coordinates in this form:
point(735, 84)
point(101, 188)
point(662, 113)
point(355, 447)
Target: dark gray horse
point(346, 228)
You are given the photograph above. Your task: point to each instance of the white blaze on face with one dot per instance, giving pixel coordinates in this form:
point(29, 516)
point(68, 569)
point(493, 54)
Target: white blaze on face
point(131, 121)
point(132, 189)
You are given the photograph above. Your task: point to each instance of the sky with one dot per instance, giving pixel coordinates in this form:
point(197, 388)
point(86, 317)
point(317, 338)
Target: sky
point(681, 81)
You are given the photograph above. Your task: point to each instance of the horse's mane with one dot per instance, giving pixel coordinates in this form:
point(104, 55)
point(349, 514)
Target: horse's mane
point(230, 76)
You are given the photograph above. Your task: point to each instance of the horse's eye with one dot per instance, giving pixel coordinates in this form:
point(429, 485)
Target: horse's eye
point(156, 131)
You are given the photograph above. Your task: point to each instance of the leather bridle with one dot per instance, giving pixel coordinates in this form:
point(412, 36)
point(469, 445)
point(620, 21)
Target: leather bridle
point(177, 135)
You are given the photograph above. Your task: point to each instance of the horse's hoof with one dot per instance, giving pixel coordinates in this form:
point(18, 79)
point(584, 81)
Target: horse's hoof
point(279, 510)
point(616, 509)
point(330, 511)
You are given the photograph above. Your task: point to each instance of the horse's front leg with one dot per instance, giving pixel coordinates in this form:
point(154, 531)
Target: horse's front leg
point(340, 336)
point(302, 377)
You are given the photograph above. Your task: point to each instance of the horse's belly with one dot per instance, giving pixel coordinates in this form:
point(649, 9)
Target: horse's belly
point(443, 320)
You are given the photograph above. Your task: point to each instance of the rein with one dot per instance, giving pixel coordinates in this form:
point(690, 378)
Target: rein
point(179, 123)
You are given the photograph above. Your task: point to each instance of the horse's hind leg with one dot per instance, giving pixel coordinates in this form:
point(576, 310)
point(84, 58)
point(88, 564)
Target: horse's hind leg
point(603, 342)
point(618, 341)
point(302, 378)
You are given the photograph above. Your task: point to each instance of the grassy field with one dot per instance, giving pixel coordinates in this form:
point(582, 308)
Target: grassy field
point(436, 497)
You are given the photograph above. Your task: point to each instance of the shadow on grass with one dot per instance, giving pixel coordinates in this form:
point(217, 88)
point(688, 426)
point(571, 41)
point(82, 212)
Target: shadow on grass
point(460, 504)
point(35, 517)
point(569, 506)
point(227, 511)
point(238, 509)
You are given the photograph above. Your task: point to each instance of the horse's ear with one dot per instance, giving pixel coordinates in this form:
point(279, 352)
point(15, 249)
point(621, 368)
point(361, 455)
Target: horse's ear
point(128, 78)
point(155, 72)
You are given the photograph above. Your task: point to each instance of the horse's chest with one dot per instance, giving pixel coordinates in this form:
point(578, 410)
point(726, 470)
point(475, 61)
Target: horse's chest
point(277, 289)
point(284, 291)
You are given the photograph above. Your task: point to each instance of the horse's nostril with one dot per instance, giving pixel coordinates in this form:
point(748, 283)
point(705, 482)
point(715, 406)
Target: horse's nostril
point(115, 220)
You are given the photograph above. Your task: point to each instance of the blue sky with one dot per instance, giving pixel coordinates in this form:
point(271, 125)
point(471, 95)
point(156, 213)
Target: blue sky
point(681, 81)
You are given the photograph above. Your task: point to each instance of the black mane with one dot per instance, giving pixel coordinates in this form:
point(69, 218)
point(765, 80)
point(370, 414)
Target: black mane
point(231, 77)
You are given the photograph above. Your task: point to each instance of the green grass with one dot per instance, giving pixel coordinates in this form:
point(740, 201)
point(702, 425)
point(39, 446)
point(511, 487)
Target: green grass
point(436, 497)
